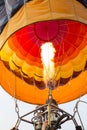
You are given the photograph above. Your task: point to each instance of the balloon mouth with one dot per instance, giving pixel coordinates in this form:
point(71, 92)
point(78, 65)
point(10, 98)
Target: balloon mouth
point(23, 51)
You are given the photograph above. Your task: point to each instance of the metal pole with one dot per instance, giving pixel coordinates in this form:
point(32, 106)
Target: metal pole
point(49, 107)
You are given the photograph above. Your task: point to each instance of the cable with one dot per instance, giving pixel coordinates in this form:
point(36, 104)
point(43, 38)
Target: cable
point(77, 111)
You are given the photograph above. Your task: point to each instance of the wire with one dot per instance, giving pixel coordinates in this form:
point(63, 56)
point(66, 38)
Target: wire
point(77, 111)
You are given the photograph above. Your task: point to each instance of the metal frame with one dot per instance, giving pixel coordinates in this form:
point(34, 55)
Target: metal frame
point(55, 109)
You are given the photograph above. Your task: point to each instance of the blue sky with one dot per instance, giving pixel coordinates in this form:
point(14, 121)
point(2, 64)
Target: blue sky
point(8, 115)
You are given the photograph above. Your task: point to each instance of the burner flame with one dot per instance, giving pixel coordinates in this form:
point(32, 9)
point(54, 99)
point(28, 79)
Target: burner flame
point(47, 56)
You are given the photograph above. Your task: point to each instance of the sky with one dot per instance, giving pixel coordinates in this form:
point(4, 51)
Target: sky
point(8, 116)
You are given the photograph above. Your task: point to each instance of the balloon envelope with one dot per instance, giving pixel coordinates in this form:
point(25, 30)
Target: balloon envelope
point(35, 23)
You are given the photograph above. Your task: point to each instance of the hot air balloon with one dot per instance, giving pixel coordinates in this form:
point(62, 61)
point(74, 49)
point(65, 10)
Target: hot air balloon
point(32, 31)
